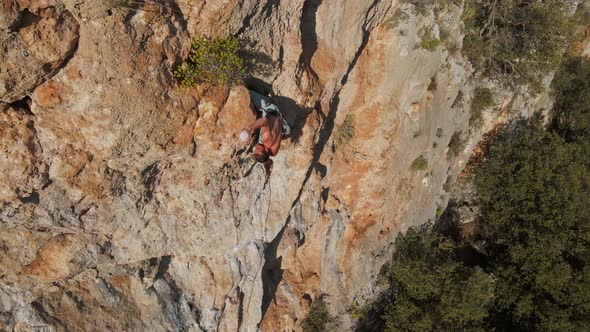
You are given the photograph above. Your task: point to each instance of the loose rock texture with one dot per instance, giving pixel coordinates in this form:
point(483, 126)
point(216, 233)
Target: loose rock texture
point(35, 43)
point(128, 203)
point(21, 167)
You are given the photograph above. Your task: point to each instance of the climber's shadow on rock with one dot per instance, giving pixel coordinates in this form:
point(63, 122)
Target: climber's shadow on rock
point(295, 115)
point(256, 62)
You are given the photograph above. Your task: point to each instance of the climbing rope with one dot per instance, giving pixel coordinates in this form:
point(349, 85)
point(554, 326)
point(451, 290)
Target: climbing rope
point(266, 181)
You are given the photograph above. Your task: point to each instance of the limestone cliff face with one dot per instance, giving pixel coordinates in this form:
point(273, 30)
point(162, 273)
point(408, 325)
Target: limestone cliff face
point(127, 203)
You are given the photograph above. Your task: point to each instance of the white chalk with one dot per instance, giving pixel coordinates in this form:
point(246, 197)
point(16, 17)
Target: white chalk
point(244, 136)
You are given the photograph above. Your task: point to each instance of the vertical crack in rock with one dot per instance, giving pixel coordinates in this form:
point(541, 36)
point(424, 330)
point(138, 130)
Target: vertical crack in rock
point(163, 267)
point(271, 274)
point(148, 177)
point(170, 296)
point(196, 314)
point(240, 308)
point(269, 7)
point(42, 312)
point(325, 132)
point(178, 14)
point(309, 38)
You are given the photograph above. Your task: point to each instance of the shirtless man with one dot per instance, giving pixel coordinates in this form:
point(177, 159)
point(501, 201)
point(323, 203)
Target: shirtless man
point(269, 141)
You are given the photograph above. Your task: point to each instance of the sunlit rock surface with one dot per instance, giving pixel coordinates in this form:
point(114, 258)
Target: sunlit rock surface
point(128, 203)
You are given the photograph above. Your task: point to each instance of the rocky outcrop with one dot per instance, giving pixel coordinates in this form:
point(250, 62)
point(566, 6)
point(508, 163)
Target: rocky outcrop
point(129, 204)
point(22, 167)
point(37, 38)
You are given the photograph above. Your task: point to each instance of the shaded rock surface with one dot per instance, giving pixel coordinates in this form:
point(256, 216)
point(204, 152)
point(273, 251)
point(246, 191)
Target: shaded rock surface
point(128, 203)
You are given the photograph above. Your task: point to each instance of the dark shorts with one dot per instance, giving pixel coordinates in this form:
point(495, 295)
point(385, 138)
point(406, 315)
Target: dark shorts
point(273, 113)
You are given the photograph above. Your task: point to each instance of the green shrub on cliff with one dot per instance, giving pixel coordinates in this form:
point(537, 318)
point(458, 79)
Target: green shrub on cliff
point(318, 318)
point(213, 61)
point(419, 164)
point(346, 131)
point(482, 98)
point(429, 41)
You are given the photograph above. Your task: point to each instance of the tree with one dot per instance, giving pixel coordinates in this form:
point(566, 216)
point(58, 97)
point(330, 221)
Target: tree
point(318, 317)
point(431, 289)
point(535, 224)
point(571, 90)
point(518, 40)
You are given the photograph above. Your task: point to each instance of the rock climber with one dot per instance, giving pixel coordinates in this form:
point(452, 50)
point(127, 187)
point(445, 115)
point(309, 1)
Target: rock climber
point(272, 128)
point(269, 141)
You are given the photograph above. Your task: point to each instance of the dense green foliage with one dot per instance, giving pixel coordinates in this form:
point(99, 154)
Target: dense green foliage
point(535, 226)
point(572, 99)
point(318, 318)
point(212, 61)
point(482, 98)
point(527, 267)
point(433, 290)
point(518, 40)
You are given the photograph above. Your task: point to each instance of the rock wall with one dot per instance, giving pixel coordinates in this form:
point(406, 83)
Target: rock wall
point(127, 203)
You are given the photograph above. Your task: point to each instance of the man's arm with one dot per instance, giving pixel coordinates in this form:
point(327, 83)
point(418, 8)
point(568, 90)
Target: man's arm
point(274, 149)
point(255, 125)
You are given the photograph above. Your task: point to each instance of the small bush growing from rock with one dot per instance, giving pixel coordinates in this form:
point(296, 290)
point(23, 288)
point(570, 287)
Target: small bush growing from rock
point(457, 143)
point(419, 164)
point(318, 317)
point(482, 99)
point(212, 61)
point(429, 42)
point(346, 131)
point(357, 311)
